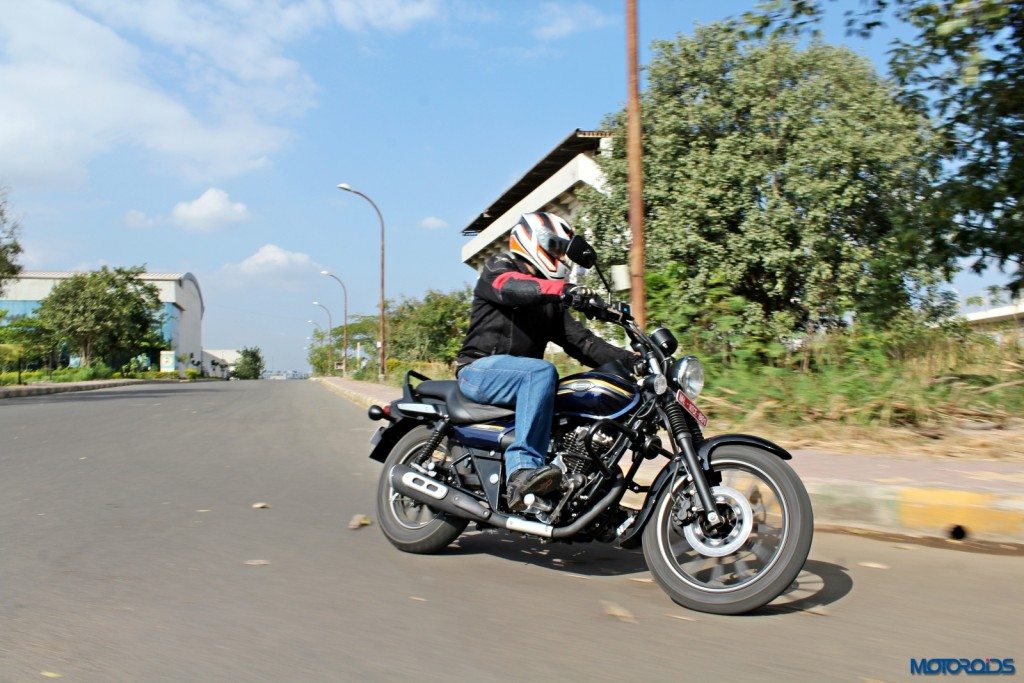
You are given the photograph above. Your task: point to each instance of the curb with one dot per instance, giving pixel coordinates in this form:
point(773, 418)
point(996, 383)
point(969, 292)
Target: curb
point(926, 512)
point(36, 390)
point(930, 512)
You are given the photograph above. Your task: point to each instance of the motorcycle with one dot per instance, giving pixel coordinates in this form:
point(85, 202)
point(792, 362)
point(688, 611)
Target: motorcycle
point(725, 526)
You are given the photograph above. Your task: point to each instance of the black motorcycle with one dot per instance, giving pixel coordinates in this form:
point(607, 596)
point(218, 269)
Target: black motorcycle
point(725, 526)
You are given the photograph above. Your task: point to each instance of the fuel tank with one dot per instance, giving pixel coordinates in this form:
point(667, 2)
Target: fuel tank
point(595, 395)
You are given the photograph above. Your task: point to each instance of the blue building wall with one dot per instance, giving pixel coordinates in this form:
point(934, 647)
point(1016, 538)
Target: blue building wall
point(18, 308)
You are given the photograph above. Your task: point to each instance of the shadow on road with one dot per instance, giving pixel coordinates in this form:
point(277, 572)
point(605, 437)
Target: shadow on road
point(819, 584)
point(590, 559)
point(111, 393)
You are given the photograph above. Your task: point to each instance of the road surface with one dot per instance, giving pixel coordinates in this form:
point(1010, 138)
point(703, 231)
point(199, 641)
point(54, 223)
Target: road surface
point(128, 535)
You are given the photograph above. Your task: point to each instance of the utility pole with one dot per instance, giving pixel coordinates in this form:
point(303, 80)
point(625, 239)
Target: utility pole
point(638, 291)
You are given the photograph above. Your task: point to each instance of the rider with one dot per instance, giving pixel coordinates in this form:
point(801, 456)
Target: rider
point(517, 309)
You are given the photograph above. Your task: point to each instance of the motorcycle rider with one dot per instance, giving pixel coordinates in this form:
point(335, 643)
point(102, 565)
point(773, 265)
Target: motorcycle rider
point(518, 307)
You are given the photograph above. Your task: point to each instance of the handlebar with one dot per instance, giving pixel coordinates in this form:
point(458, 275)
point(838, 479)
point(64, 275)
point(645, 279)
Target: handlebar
point(618, 313)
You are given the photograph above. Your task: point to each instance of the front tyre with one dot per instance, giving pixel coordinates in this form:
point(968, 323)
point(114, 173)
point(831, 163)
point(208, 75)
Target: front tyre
point(412, 526)
point(749, 560)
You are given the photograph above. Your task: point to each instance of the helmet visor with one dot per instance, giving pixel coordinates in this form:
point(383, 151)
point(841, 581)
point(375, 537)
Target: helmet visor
point(553, 244)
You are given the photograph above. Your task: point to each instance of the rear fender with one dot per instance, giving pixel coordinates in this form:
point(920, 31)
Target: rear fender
point(391, 436)
point(631, 538)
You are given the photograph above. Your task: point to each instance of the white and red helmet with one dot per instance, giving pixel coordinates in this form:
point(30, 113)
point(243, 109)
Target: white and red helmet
point(541, 238)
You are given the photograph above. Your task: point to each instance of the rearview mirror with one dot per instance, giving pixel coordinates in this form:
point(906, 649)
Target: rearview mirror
point(579, 251)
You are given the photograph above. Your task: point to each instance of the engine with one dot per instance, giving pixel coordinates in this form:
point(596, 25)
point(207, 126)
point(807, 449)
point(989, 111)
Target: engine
point(571, 449)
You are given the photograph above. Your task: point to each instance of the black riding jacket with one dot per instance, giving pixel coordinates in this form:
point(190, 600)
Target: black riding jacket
point(517, 314)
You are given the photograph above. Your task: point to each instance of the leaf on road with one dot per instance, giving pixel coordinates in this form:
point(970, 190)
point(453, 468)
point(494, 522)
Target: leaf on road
point(873, 565)
point(681, 617)
point(417, 598)
point(203, 510)
point(616, 610)
point(643, 579)
point(260, 506)
point(256, 563)
point(50, 674)
point(359, 521)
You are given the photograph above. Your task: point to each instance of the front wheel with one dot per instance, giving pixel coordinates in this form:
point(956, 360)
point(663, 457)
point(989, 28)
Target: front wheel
point(753, 556)
point(409, 524)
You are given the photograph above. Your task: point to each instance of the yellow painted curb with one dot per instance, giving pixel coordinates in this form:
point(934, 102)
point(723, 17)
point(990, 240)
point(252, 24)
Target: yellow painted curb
point(943, 508)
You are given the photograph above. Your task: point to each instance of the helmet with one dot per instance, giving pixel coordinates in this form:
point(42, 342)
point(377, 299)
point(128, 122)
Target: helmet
point(541, 238)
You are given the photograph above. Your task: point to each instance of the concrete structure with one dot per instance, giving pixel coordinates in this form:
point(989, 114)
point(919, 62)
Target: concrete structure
point(179, 293)
point(1003, 317)
point(551, 185)
point(220, 362)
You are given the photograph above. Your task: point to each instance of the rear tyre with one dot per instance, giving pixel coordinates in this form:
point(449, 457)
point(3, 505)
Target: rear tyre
point(750, 560)
point(409, 525)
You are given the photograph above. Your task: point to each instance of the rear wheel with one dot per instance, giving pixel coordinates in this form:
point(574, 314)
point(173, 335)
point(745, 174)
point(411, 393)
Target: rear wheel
point(750, 559)
point(410, 525)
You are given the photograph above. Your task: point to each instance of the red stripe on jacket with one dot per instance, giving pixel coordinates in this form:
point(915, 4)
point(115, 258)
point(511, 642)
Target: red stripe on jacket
point(554, 287)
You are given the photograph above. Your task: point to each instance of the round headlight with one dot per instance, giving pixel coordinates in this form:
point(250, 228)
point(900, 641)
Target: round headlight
point(688, 374)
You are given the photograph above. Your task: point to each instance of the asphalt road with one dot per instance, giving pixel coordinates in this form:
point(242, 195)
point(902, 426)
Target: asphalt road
point(126, 522)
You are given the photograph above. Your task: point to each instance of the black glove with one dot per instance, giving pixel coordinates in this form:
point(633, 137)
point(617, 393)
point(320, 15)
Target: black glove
point(577, 295)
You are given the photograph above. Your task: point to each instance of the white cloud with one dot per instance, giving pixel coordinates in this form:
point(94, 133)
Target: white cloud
point(212, 210)
point(205, 88)
point(388, 15)
point(276, 267)
point(433, 223)
point(558, 20)
point(138, 219)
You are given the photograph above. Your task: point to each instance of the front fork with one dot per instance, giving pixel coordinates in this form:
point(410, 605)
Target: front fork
point(677, 424)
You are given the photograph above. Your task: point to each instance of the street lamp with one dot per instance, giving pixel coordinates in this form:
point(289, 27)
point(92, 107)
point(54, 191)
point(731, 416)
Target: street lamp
point(348, 188)
point(330, 337)
point(344, 289)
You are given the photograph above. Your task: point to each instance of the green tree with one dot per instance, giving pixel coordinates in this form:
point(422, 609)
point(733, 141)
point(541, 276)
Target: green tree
point(109, 314)
point(9, 247)
point(966, 63)
point(429, 329)
point(250, 363)
point(782, 189)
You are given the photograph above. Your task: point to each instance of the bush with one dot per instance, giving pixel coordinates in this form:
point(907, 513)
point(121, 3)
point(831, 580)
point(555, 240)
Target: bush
point(191, 374)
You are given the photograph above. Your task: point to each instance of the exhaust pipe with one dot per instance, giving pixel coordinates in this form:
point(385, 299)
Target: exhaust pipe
point(458, 503)
point(417, 486)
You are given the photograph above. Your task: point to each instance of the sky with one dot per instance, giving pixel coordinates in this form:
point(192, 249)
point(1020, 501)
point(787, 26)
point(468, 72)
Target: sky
point(210, 137)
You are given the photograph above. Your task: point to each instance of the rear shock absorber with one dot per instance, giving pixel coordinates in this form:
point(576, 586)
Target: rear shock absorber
point(435, 439)
point(683, 436)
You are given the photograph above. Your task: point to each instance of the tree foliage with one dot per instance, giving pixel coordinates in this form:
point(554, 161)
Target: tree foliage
point(109, 314)
point(429, 329)
point(250, 363)
point(966, 63)
point(782, 189)
point(9, 247)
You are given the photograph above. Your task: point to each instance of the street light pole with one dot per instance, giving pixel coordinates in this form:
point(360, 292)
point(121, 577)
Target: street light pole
point(330, 337)
point(344, 289)
point(383, 355)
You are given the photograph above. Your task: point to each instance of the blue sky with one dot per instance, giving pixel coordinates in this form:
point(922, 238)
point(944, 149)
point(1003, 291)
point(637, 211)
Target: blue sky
point(210, 137)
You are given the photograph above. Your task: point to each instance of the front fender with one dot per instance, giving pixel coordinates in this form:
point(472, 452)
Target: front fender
point(631, 538)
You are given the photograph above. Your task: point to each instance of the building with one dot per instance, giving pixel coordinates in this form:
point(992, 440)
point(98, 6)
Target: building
point(179, 293)
point(220, 362)
point(551, 185)
point(1000, 322)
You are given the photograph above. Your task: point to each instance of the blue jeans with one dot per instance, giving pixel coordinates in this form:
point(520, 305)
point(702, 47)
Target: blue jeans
point(528, 385)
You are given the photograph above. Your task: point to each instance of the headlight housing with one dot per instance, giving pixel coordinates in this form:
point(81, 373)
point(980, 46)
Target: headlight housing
point(688, 374)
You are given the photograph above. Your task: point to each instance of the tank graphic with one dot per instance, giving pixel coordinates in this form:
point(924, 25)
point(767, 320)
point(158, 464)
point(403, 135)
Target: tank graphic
point(592, 394)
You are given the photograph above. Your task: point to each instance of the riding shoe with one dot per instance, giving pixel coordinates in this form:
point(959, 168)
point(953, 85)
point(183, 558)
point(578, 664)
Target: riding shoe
point(536, 481)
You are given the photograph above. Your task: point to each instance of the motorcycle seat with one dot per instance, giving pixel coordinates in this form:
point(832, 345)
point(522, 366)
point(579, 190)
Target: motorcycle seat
point(461, 410)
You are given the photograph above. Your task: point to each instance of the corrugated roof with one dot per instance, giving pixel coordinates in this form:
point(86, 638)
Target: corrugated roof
point(577, 142)
point(63, 274)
